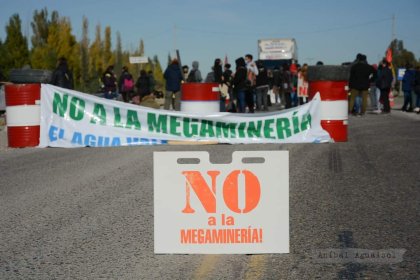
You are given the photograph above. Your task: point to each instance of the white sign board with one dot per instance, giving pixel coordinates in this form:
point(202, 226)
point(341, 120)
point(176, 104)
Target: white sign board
point(138, 59)
point(236, 208)
point(277, 49)
point(401, 72)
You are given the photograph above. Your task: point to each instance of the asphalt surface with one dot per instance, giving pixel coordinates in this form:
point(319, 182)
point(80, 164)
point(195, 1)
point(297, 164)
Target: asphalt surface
point(88, 213)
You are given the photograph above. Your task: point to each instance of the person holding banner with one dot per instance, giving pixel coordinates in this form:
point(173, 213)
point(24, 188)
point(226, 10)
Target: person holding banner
point(173, 77)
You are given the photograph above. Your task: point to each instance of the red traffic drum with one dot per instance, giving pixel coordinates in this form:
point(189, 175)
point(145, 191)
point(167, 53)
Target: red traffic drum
point(23, 114)
point(331, 82)
point(200, 97)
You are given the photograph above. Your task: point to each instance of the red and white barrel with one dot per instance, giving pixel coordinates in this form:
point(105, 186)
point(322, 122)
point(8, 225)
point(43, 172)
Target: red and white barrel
point(331, 81)
point(200, 97)
point(23, 114)
point(334, 107)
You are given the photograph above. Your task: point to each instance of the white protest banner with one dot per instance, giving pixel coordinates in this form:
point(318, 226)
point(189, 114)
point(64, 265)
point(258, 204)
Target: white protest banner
point(74, 119)
point(236, 208)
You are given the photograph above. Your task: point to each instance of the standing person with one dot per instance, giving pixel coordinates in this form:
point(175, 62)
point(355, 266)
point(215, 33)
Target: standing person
point(218, 72)
point(252, 73)
point(227, 82)
point(210, 76)
point(251, 68)
point(408, 87)
point(304, 74)
point(62, 75)
point(152, 81)
point(195, 74)
point(287, 86)
point(359, 82)
point(374, 97)
point(276, 84)
point(417, 89)
point(185, 71)
point(227, 75)
point(261, 87)
point(109, 83)
point(384, 83)
point(126, 84)
point(294, 85)
point(239, 84)
point(270, 86)
point(218, 78)
point(143, 84)
point(173, 77)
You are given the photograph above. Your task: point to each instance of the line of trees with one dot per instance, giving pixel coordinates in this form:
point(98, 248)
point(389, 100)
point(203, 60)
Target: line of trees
point(52, 38)
point(401, 56)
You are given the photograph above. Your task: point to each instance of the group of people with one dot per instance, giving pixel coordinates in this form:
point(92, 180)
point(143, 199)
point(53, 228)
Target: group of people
point(140, 92)
point(377, 81)
point(243, 90)
point(246, 89)
point(410, 85)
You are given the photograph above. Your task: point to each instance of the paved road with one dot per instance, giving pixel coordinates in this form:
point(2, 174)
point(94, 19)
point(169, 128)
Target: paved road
point(88, 213)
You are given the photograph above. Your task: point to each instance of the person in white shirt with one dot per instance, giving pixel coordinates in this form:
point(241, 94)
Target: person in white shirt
point(252, 73)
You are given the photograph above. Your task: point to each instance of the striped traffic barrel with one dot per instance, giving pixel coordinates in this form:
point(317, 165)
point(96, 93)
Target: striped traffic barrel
point(23, 114)
point(200, 97)
point(332, 83)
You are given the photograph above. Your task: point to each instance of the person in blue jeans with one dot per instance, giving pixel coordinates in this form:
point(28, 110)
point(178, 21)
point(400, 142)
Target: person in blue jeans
point(417, 89)
point(408, 87)
point(239, 84)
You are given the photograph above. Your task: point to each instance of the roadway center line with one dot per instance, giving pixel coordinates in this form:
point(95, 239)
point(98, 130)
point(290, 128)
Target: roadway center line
point(255, 269)
point(208, 263)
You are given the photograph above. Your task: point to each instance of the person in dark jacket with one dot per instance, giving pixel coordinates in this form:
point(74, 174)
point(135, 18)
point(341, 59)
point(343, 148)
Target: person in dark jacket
point(261, 87)
point(417, 89)
point(287, 86)
point(384, 83)
point(227, 84)
point(62, 75)
point(277, 84)
point(218, 72)
point(359, 82)
point(218, 78)
point(173, 77)
point(239, 84)
point(195, 74)
point(126, 84)
point(109, 82)
point(408, 87)
point(143, 84)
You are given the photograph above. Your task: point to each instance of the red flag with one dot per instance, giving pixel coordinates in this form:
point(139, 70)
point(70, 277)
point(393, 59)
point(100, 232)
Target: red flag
point(389, 55)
